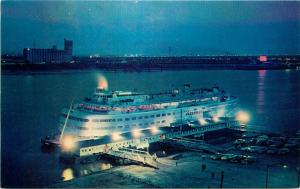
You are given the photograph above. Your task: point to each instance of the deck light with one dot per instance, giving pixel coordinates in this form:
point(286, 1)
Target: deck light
point(202, 121)
point(136, 133)
point(215, 118)
point(67, 174)
point(116, 136)
point(242, 117)
point(154, 130)
point(68, 143)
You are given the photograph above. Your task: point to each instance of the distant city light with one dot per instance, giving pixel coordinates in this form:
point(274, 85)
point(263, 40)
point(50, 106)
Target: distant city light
point(242, 117)
point(68, 143)
point(263, 58)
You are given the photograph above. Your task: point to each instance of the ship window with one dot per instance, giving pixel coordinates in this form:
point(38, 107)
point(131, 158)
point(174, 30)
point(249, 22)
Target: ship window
point(163, 114)
point(146, 117)
point(152, 123)
point(78, 119)
point(169, 113)
point(140, 124)
point(134, 118)
point(158, 115)
point(133, 125)
point(126, 119)
point(120, 126)
point(141, 117)
point(158, 122)
point(173, 113)
point(113, 120)
point(163, 121)
point(152, 115)
point(120, 119)
point(127, 126)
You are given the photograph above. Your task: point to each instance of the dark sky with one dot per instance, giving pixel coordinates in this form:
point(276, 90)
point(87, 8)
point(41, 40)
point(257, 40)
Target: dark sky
point(150, 28)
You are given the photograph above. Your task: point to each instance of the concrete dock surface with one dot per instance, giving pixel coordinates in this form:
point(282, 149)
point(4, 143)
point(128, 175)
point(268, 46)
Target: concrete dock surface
point(185, 170)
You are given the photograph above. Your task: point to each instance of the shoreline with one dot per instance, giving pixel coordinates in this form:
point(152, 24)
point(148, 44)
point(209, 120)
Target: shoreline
point(67, 68)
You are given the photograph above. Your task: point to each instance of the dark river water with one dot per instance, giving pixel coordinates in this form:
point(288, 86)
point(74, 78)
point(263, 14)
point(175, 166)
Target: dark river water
point(31, 105)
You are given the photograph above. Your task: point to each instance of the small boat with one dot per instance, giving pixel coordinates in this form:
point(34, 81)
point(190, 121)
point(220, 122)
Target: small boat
point(50, 142)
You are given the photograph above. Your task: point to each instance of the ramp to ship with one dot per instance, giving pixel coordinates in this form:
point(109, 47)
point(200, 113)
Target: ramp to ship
point(191, 145)
point(138, 156)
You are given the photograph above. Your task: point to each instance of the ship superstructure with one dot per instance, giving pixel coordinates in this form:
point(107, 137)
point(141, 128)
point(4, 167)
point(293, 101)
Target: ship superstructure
point(106, 112)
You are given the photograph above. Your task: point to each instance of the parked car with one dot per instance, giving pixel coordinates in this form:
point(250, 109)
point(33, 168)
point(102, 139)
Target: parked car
point(272, 151)
point(248, 159)
point(258, 149)
point(275, 143)
point(239, 141)
point(283, 151)
point(216, 156)
point(228, 156)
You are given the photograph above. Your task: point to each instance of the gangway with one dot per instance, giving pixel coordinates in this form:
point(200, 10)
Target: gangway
point(191, 145)
point(138, 156)
point(203, 144)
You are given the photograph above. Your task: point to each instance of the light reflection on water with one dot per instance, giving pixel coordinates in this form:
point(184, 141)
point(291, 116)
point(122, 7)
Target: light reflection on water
point(260, 97)
point(79, 170)
point(31, 106)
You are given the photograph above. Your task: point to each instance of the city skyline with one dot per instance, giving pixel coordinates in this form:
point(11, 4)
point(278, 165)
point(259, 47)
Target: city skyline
point(153, 28)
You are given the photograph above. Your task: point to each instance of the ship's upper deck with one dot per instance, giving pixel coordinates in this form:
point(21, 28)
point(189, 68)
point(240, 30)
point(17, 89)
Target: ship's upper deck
point(105, 102)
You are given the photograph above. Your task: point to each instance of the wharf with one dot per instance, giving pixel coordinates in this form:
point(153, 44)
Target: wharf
point(143, 138)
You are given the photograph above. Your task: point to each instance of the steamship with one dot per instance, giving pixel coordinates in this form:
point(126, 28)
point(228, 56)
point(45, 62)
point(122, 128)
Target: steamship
point(107, 112)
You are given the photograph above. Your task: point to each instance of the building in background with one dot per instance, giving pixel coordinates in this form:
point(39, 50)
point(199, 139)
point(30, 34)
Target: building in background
point(51, 55)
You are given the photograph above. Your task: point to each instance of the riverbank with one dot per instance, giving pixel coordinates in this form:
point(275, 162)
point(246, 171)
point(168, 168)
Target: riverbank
point(23, 68)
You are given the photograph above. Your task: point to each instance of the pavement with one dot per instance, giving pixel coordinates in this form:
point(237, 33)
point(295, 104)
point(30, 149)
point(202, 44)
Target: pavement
point(188, 173)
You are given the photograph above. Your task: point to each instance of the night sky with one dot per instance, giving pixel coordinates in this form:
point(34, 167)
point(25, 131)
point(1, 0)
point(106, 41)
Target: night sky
point(150, 28)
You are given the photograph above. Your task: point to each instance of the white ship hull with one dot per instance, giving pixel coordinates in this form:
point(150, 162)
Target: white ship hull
point(86, 124)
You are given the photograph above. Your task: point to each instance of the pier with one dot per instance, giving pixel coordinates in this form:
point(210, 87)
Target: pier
point(128, 145)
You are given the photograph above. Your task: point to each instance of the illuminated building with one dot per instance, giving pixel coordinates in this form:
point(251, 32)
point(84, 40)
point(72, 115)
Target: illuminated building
point(51, 55)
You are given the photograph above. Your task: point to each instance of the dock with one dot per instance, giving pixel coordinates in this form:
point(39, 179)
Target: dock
point(128, 145)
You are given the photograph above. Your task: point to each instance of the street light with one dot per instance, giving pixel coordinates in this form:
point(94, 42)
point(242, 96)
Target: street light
point(298, 172)
point(270, 165)
point(297, 169)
